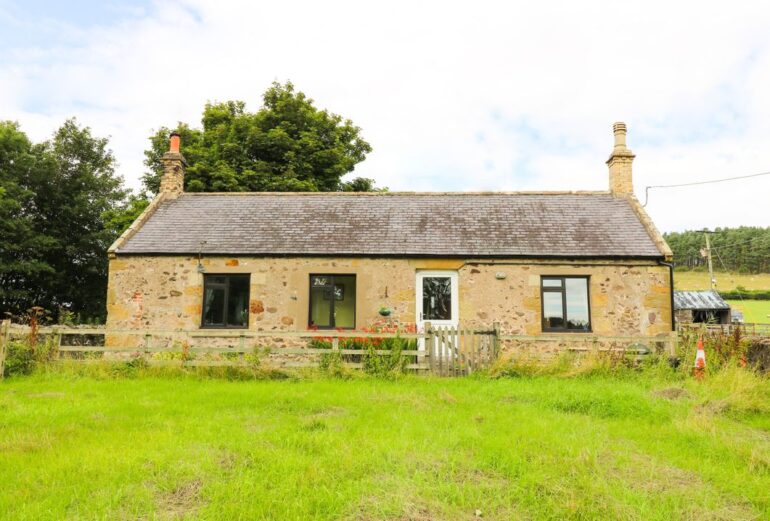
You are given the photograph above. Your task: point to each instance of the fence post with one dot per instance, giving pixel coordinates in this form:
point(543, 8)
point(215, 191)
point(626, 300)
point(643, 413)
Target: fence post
point(5, 334)
point(496, 341)
point(427, 344)
point(336, 343)
point(57, 336)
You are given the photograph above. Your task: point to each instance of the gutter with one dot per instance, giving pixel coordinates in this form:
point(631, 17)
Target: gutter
point(671, 278)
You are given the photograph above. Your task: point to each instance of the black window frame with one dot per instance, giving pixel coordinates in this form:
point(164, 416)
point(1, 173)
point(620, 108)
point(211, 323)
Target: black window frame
point(563, 290)
point(332, 324)
point(228, 276)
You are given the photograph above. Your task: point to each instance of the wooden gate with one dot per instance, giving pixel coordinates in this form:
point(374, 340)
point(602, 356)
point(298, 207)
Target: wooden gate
point(460, 351)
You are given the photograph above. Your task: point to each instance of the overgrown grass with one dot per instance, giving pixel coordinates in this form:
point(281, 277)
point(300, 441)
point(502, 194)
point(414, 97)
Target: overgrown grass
point(591, 443)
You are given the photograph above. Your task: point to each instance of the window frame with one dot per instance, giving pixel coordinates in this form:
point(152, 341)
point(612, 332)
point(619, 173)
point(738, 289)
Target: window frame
point(227, 276)
point(332, 323)
point(563, 291)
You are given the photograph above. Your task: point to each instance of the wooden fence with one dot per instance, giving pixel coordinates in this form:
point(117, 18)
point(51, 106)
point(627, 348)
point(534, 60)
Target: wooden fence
point(747, 330)
point(440, 350)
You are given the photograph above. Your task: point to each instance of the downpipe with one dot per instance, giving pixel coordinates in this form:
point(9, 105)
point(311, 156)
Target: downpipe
point(673, 360)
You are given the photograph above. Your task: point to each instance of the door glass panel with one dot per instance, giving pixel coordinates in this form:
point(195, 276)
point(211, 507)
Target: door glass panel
point(238, 302)
point(320, 306)
point(553, 312)
point(319, 280)
point(577, 304)
point(437, 298)
point(344, 301)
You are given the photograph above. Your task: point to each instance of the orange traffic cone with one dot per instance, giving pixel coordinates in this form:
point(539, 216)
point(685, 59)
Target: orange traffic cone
point(700, 361)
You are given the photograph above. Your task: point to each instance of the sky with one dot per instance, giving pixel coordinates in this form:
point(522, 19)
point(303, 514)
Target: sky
point(453, 96)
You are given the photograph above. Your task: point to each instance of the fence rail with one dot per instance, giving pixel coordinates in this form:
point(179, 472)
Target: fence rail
point(448, 351)
point(750, 329)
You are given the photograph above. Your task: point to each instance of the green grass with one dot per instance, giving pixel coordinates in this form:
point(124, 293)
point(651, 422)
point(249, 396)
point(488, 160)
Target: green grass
point(754, 311)
point(699, 280)
point(636, 447)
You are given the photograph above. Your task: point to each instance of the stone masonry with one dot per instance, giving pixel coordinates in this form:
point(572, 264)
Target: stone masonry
point(166, 293)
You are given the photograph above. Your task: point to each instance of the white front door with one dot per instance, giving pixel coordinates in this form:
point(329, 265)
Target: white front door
point(437, 300)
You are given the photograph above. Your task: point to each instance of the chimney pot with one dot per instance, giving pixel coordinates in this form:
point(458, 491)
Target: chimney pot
point(619, 129)
point(174, 141)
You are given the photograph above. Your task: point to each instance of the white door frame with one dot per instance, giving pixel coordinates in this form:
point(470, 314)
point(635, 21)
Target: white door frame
point(455, 304)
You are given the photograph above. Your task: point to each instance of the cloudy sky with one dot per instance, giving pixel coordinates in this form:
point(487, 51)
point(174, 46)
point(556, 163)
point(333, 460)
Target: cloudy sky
point(452, 95)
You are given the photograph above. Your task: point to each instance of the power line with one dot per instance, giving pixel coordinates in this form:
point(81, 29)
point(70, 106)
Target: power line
point(731, 244)
point(647, 188)
point(726, 245)
point(729, 274)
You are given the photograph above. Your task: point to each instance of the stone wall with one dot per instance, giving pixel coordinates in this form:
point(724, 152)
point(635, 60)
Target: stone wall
point(166, 293)
point(683, 316)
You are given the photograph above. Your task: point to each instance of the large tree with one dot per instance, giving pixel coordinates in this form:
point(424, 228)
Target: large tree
point(287, 145)
point(61, 192)
point(23, 247)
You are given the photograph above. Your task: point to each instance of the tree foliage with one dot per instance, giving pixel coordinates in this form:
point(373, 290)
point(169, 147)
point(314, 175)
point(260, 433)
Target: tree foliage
point(287, 145)
point(53, 200)
point(21, 243)
point(741, 250)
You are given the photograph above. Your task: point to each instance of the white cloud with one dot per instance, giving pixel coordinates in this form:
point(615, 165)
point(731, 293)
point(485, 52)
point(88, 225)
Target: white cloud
point(452, 95)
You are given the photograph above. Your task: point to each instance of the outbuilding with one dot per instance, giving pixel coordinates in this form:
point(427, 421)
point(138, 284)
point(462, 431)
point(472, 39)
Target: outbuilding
point(701, 307)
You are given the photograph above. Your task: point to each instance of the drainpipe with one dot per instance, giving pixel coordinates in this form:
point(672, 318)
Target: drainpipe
point(671, 278)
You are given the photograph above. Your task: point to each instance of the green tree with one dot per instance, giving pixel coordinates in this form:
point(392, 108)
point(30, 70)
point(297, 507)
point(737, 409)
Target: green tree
point(61, 192)
point(22, 247)
point(119, 218)
point(287, 145)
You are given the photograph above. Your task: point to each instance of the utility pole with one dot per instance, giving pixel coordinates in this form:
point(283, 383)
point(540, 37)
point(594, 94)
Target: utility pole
point(708, 256)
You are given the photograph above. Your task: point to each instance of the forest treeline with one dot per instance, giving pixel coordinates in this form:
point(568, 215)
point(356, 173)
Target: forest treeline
point(737, 250)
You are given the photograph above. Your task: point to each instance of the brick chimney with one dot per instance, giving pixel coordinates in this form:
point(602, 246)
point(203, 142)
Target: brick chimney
point(172, 182)
point(619, 162)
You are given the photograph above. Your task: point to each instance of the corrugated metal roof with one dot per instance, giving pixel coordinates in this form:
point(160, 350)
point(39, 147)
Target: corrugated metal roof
point(699, 300)
point(396, 224)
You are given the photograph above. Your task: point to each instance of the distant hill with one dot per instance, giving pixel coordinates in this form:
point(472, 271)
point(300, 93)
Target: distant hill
point(737, 250)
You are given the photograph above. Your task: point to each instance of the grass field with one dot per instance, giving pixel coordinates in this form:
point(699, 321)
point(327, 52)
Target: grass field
point(422, 449)
point(754, 311)
point(699, 280)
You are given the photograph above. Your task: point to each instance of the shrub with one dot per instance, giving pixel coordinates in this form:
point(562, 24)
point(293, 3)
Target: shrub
point(23, 356)
point(19, 359)
point(742, 293)
point(331, 364)
point(390, 364)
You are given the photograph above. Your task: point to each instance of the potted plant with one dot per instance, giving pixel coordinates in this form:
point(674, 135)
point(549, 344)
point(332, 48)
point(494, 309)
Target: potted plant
point(385, 311)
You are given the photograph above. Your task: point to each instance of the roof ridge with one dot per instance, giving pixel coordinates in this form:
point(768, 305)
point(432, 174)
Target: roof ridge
point(390, 194)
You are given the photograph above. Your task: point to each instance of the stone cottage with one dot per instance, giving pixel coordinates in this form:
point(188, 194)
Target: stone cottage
point(536, 263)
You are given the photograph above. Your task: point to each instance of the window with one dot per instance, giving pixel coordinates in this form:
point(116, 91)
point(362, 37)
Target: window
point(333, 301)
point(565, 304)
point(225, 301)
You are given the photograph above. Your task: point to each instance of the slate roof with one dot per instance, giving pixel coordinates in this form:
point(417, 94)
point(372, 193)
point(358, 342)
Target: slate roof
point(592, 224)
point(699, 300)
